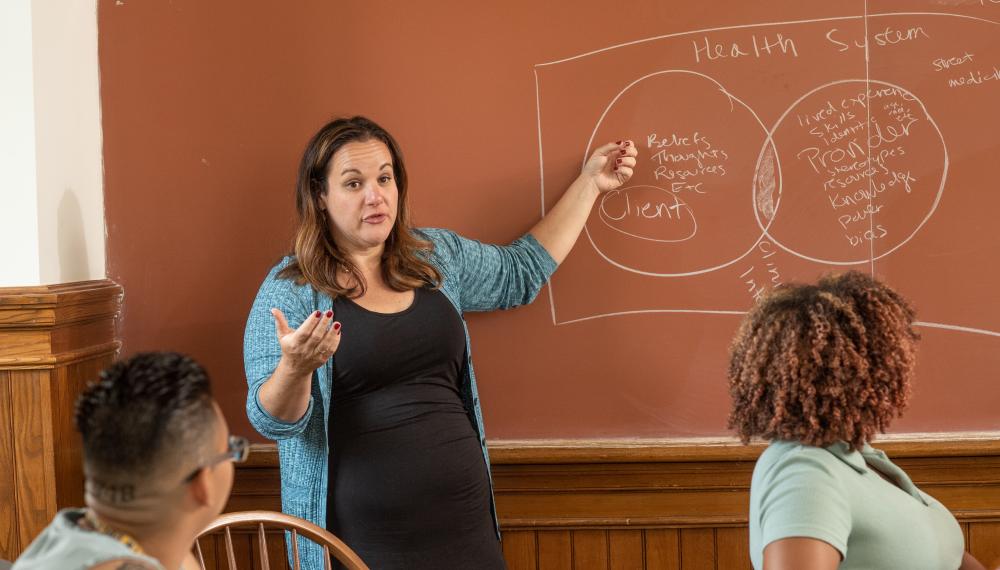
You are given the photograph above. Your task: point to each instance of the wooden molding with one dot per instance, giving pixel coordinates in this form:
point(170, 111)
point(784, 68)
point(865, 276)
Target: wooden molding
point(53, 340)
point(54, 325)
point(516, 452)
point(674, 450)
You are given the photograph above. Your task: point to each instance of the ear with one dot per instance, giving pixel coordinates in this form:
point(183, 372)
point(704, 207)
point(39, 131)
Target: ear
point(318, 192)
point(199, 488)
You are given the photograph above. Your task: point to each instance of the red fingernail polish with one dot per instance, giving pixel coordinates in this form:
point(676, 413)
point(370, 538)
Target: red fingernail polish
point(329, 314)
point(336, 326)
point(618, 161)
point(318, 313)
point(626, 143)
point(616, 168)
point(618, 142)
point(623, 152)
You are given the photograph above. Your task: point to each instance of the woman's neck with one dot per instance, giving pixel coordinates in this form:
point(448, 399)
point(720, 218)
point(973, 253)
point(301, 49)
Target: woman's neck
point(368, 262)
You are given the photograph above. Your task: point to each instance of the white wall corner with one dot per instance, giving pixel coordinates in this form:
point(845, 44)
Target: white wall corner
point(19, 249)
point(52, 198)
point(68, 141)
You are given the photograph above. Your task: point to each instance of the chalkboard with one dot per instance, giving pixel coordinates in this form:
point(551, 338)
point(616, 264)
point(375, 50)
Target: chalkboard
point(774, 151)
point(778, 141)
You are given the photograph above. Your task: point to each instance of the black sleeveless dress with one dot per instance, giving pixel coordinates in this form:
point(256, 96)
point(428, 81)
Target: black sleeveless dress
point(408, 484)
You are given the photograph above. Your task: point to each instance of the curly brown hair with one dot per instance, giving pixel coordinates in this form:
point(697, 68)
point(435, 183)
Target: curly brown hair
point(823, 363)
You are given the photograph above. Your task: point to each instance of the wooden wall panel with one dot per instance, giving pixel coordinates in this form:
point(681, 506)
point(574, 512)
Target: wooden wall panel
point(590, 549)
point(698, 549)
point(68, 382)
point(8, 498)
point(555, 549)
point(208, 552)
point(520, 550)
point(732, 548)
point(625, 550)
point(242, 546)
point(663, 548)
point(53, 340)
point(33, 452)
point(276, 557)
point(984, 542)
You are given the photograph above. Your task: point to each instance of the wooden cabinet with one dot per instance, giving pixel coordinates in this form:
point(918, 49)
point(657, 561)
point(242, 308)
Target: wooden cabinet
point(53, 340)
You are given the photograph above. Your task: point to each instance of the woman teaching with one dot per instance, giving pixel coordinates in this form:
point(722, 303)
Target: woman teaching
point(357, 353)
point(819, 370)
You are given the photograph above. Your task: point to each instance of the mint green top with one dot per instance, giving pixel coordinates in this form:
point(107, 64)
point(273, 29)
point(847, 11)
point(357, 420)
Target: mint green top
point(66, 546)
point(832, 494)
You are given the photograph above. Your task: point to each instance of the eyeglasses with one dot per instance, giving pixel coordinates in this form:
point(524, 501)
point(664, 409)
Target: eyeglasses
point(237, 452)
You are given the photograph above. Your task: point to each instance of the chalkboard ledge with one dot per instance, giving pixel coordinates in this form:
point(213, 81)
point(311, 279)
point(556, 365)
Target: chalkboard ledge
point(644, 450)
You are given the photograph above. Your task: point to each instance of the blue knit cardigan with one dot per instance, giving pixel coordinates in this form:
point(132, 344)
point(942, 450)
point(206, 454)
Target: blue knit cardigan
point(475, 277)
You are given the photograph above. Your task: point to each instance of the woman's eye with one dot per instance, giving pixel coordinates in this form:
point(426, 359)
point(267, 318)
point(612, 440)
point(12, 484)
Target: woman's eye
point(353, 184)
point(385, 179)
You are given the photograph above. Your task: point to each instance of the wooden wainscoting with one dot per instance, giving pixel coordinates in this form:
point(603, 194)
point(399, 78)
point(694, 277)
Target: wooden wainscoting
point(53, 340)
point(667, 505)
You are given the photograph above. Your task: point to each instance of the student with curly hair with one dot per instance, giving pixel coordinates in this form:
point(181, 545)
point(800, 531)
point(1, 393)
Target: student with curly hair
point(819, 370)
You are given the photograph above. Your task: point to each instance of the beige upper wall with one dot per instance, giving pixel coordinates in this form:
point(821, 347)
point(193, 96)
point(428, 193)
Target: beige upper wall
point(18, 194)
point(53, 215)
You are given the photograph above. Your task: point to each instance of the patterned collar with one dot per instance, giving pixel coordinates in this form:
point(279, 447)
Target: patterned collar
point(90, 522)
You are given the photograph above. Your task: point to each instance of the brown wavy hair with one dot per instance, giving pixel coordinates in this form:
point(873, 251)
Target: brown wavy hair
point(317, 258)
point(823, 363)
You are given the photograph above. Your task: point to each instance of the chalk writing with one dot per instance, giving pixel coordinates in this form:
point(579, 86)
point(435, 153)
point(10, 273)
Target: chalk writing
point(758, 279)
point(649, 213)
point(863, 136)
point(975, 77)
point(679, 157)
point(887, 36)
point(847, 172)
point(758, 47)
point(646, 209)
point(945, 62)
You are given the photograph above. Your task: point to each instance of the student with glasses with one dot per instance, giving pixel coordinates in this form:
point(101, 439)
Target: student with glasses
point(158, 466)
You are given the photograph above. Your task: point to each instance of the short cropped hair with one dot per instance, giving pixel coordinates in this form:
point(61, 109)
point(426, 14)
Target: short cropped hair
point(143, 416)
point(823, 363)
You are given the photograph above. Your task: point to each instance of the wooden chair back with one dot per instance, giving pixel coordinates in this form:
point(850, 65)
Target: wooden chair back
point(296, 526)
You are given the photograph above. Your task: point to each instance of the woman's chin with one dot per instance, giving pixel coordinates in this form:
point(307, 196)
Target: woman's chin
point(369, 236)
point(374, 239)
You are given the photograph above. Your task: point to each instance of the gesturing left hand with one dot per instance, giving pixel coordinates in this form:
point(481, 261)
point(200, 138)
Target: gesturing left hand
point(610, 166)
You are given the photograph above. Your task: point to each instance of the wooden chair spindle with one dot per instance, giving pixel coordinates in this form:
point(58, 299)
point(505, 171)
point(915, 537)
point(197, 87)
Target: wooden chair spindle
point(265, 564)
point(230, 553)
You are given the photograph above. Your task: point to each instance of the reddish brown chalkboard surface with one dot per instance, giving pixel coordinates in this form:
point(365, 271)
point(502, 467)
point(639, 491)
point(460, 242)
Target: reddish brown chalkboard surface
point(775, 144)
